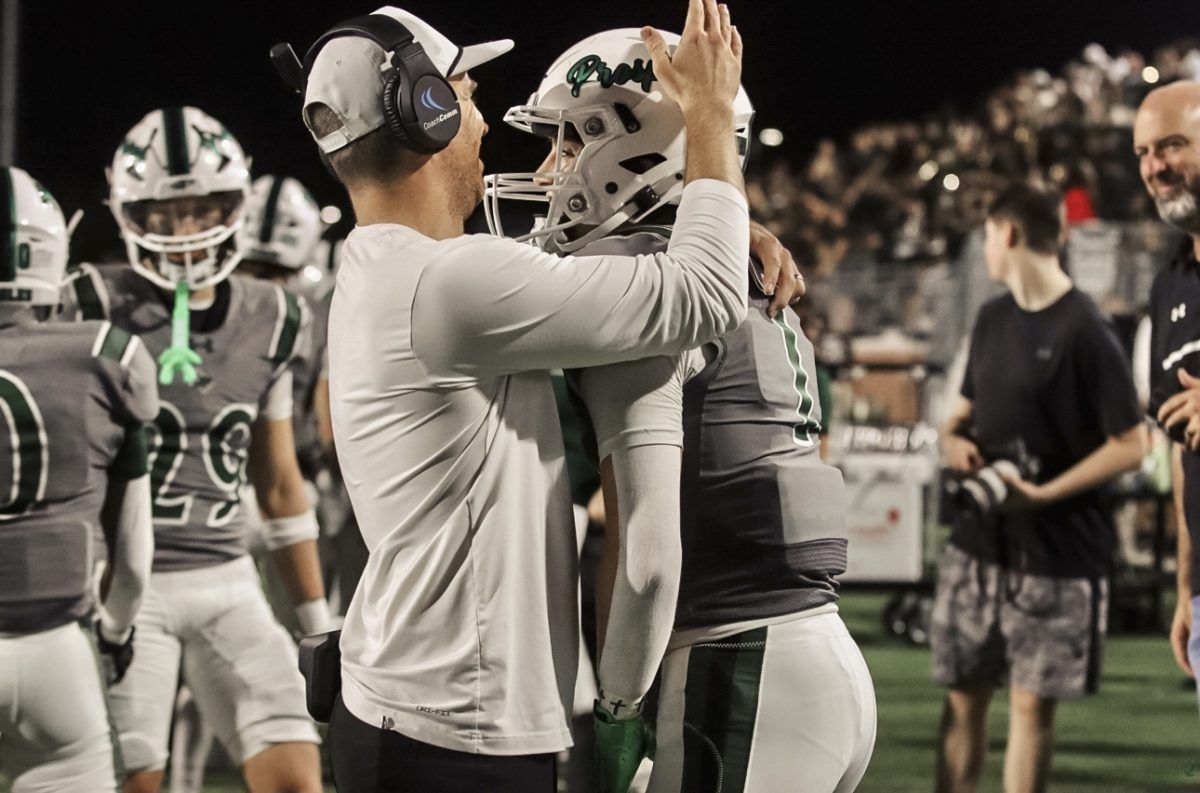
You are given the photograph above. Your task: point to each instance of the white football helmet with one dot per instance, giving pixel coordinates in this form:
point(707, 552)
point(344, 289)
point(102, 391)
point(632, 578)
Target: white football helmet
point(178, 188)
point(33, 261)
point(601, 93)
point(283, 223)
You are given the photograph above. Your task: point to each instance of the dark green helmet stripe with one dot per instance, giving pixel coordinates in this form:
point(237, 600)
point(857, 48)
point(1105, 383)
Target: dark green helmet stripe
point(270, 210)
point(178, 163)
point(8, 216)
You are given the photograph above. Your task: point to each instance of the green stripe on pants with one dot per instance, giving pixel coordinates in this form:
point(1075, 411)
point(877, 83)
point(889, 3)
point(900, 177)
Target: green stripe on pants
point(721, 704)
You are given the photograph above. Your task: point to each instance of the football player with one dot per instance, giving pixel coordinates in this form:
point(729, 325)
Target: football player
point(281, 230)
point(75, 399)
point(276, 243)
point(756, 638)
point(179, 183)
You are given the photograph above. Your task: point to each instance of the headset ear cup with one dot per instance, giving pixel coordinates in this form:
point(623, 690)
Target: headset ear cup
point(391, 109)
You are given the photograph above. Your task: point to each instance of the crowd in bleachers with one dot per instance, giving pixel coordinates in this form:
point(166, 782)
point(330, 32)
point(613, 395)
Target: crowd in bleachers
point(910, 190)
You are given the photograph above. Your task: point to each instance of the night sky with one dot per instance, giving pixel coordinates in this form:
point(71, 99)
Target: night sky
point(89, 71)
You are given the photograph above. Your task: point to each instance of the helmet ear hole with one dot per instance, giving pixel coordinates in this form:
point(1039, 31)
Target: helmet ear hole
point(611, 188)
point(643, 162)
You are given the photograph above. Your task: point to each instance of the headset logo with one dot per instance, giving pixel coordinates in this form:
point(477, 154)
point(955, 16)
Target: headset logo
point(434, 122)
point(428, 101)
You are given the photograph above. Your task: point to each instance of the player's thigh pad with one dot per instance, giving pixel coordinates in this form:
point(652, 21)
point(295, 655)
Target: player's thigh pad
point(142, 703)
point(242, 668)
point(54, 729)
point(789, 706)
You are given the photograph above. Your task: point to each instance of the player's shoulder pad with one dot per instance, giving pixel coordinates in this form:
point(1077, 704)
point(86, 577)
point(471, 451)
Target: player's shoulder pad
point(113, 343)
point(90, 293)
point(637, 241)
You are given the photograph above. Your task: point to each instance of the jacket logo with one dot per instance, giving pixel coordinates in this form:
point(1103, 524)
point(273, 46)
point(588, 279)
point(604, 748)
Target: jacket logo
point(1179, 312)
point(585, 67)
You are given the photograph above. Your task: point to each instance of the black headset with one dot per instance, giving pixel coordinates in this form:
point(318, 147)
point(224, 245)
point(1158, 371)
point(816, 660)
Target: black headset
point(420, 106)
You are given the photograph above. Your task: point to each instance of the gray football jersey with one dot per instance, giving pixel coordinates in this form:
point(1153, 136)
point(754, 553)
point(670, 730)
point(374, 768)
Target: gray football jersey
point(201, 435)
point(74, 398)
point(763, 518)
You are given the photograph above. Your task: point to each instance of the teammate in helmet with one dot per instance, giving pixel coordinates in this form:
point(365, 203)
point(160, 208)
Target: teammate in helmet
point(179, 184)
point(275, 242)
point(75, 399)
point(614, 160)
point(763, 535)
point(279, 242)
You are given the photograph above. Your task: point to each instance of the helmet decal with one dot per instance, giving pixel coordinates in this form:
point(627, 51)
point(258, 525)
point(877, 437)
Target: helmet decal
point(637, 72)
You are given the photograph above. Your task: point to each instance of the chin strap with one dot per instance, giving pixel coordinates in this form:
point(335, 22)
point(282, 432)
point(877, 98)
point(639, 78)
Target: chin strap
point(179, 357)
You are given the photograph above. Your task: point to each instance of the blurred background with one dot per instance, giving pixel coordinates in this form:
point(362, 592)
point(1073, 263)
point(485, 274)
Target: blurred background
point(882, 131)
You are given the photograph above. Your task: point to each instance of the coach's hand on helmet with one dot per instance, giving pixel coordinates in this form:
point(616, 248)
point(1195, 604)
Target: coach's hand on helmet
point(706, 68)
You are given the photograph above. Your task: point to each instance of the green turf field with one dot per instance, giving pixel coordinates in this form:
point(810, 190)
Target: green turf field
point(1140, 733)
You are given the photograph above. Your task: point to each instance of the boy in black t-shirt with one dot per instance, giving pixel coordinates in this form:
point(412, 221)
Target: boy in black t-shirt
point(1022, 588)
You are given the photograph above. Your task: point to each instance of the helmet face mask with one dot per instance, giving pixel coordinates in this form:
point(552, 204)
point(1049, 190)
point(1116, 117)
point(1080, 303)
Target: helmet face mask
point(178, 189)
point(630, 157)
point(34, 260)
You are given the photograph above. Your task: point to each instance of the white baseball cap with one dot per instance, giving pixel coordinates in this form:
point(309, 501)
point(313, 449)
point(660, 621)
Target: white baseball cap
point(349, 72)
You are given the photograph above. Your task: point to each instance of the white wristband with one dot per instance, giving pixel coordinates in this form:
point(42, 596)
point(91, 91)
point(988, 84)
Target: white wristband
point(282, 532)
point(313, 616)
point(620, 708)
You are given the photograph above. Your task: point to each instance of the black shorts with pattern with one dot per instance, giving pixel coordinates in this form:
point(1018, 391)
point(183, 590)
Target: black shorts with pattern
point(993, 626)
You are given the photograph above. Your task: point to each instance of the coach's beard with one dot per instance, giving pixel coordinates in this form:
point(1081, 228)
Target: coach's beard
point(1181, 211)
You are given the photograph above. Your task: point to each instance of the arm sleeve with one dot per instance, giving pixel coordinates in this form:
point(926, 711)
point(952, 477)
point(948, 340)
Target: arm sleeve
point(647, 581)
point(491, 306)
point(277, 403)
point(132, 555)
point(636, 403)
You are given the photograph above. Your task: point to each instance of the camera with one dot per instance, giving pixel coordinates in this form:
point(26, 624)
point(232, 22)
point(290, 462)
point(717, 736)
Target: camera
point(982, 492)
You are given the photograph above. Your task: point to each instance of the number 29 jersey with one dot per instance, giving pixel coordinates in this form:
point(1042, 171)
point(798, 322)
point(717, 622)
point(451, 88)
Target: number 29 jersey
point(201, 436)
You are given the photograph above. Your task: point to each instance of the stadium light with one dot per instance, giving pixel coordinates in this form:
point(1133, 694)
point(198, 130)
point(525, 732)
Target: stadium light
point(950, 182)
point(770, 137)
point(928, 170)
point(1150, 74)
point(330, 215)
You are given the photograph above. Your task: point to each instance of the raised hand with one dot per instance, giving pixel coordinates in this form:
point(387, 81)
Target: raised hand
point(706, 68)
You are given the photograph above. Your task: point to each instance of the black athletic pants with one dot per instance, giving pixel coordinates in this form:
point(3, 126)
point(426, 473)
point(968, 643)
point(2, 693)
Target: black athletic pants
point(367, 759)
